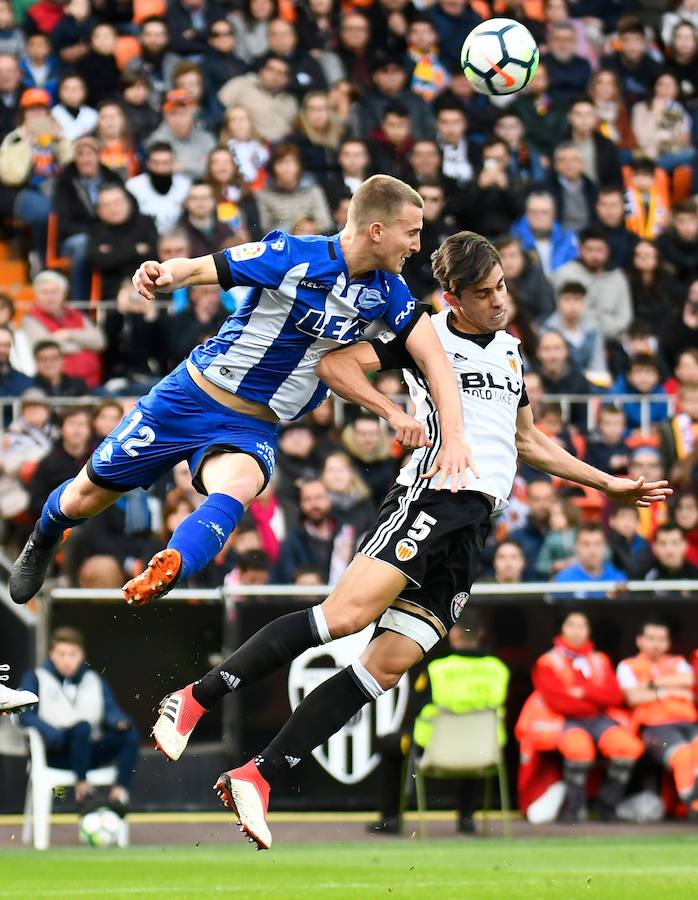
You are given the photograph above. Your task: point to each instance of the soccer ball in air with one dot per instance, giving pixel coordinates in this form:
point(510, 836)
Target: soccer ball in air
point(100, 828)
point(499, 57)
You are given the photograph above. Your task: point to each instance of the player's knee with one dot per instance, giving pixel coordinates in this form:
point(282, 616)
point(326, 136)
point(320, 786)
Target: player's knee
point(345, 619)
point(577, 746)
point(80, 731)
point(619, 743)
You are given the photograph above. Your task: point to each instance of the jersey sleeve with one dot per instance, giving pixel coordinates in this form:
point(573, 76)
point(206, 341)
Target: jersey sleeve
point(390, 348)
point(402, 311)
point(257, 264)
point(523, 399)
point(626, 677)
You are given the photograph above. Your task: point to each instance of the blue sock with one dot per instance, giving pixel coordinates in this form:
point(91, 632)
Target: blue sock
point(204, 532)
point(53, 522)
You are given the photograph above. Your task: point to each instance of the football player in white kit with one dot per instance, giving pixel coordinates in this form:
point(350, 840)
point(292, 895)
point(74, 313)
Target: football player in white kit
point(428, 540)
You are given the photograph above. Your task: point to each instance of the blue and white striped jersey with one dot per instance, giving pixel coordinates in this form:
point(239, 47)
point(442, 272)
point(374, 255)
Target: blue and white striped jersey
point(301, 304)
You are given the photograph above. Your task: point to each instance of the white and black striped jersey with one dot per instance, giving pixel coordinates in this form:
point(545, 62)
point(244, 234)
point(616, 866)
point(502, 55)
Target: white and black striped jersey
point(489, 372)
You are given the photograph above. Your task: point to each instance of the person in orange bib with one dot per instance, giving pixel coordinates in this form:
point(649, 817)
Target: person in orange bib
point(658, 688)
point(578, 682)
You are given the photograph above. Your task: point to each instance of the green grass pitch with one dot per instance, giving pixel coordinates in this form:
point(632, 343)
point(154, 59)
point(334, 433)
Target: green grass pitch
point(571, 868)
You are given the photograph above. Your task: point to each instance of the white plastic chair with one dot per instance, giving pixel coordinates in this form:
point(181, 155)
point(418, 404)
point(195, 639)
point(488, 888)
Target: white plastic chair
point(464, 745)
point(43, 779)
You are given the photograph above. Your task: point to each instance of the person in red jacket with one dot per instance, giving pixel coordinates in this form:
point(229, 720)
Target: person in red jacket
point(578, 682)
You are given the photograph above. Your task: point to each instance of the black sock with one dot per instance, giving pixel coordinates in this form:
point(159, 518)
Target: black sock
point(273, 646)
point(323, 712)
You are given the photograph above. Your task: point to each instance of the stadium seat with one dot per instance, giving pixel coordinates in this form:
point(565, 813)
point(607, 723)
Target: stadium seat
point(43, 780)
point(464, 745)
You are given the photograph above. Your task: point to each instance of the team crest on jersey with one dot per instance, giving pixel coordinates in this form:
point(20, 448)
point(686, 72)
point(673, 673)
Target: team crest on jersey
point(247, 251)
point(350, 755)
point(406, 549)
point(458, 603)
point(512, 361)
point(369, 298)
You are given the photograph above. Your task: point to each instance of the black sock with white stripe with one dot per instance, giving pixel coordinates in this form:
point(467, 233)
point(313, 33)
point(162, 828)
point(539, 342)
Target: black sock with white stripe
point(273, 646)
point(323, 712)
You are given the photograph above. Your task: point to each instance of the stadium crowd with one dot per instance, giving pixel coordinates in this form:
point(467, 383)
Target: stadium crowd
point(134, 130)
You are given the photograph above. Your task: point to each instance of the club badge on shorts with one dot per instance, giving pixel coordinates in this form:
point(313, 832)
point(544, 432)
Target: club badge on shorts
point(405, 549)
point(458, 603)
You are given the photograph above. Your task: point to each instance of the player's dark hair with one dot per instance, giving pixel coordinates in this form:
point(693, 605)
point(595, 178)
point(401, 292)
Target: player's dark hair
point(464, 259)
point(66, 635)
point(654, 620)
point(572, 287)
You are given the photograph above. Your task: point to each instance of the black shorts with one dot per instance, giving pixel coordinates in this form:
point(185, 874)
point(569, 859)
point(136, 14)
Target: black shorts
point(663, 740)
point(435, 539)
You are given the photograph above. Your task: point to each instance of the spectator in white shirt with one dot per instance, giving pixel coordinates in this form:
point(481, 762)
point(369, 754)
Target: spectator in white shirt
point(74, 117)
point(160, 192)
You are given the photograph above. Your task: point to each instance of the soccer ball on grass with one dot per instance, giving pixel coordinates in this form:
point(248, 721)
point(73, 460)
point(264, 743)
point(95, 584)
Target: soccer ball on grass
point(499, 56)
point(100, 828)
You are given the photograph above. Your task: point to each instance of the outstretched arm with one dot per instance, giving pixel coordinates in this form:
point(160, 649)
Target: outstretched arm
point(165, 277)
point(539, 451)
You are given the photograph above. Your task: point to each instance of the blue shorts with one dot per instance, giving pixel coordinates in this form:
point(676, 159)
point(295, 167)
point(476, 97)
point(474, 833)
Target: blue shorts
point(177, 421)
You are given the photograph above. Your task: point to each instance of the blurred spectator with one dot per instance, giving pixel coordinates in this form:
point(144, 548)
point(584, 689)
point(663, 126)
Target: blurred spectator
point(197, 323)
point(509, 563)
point(75, 204)
point(79, 339)
point(582, 335)
point(25, 442)
point(654, 292)
point(250, 154)
point(417, 269)
point(669, 548)
point(630, 552)
point(220, 62)
point(188, 22)
point(591, 561)
point(69, 454)
point(116, 148)
point(266, 97)
point(606, 447)
point(519, 325)
point(543, 115)
point(530, 536)
point(134, 351)
point(646, 199)
point(71, 36)
point(678, 436)
point(538, 230)
point(10, 93)
point(681, 329)
point(493, 199)
point(658, 688)
point(205, 233)
point(142, 117)
point(319, 540)
point(391, 143)
point(569, 74)
point(106, 417)
point(50, 375)
point(236, 206)
point(305, 71)
point(646, 461)
point(121, 239)
point(12, 382)
point(643, 379)
point(678, 245)
point(577, 683)
point(353, 163)
point(40, 69)
point(30, 159)
point(75, 118)
point(368, 445)
point(632, 63)
point(610, 213)
point(458, 154)
point(612, 114)
point(354, 46)
point(389, 77)
point(289, 195)
point(558, 373)
point(98, 66)
point(270, 520)
point(251, 26)
point(686, 517)
point(558, 547)
point(609, 305)
point(12, 39)
point(525, 277)
point(191, 145)
point(318, 134)
point(298, 458)
point(682, 56)
point(349, 495)
point(189, 77)
point(429, 75)
point(81, 724)
point(452, 19)
point(524, 162)
point(157, 60)
point(574, 191)
point(662, 126)
point(159, 191)
point(599, 154)
point(685, 12)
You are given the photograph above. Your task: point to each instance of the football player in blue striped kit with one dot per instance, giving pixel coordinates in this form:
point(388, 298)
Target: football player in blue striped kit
point(220, 408)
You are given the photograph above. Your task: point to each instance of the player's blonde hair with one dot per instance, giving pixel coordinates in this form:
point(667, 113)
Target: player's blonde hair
point(464, 259)
point(381, 198)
